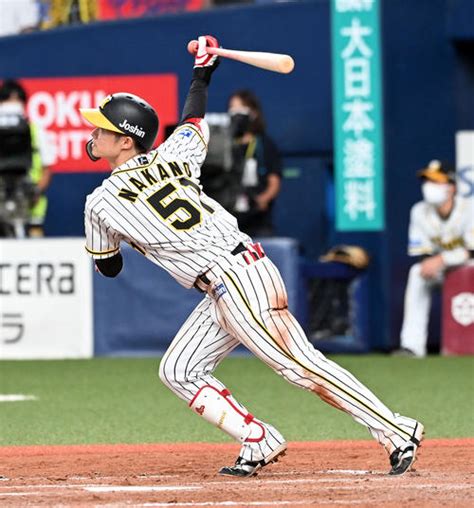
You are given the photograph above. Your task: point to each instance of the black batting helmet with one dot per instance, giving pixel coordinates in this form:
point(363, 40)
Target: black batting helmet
point(127, 114)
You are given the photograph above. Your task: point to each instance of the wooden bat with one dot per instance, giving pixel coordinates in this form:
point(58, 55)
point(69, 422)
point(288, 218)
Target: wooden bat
point(275, 62)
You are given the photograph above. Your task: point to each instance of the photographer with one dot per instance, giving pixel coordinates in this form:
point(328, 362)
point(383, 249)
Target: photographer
point(256, 165)
point(33, 153)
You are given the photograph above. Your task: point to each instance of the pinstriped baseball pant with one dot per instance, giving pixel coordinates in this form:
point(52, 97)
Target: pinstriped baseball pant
point(247, 304)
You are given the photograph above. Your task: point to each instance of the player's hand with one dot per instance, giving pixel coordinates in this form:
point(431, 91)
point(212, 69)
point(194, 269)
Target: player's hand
point(203, 58)
point(431, 267)
point(204, 63)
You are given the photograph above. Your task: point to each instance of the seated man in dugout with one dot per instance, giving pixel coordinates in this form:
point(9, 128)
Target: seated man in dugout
point(441, 237)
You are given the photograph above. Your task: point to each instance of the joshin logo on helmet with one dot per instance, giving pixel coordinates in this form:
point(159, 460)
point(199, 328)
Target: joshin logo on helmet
point(133, 129)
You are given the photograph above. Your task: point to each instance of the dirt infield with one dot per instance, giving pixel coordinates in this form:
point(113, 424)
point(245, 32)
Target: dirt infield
point(312, 474)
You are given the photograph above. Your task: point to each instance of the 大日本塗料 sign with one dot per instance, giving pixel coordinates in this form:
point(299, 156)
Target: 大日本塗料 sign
point(357, 112)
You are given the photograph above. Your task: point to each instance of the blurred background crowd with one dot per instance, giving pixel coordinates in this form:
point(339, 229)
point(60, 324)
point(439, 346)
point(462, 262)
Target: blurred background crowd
point(21, 16)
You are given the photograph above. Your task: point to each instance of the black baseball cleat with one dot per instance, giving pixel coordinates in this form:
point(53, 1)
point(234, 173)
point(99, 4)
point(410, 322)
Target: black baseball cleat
point(246, 468)
point(402, 459)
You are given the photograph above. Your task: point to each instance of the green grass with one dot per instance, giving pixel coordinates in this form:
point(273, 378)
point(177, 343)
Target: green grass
point(107, 400)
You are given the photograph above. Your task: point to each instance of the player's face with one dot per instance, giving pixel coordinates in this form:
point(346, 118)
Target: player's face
point(105, 144)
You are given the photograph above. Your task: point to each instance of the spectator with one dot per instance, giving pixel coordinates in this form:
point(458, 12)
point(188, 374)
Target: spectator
point(18, 16)
point(61, 13)
point(441, 236)
point(256, 165)
point(13, 101)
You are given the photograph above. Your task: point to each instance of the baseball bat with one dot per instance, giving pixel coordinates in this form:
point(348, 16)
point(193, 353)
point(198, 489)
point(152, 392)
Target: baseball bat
point(275, 62)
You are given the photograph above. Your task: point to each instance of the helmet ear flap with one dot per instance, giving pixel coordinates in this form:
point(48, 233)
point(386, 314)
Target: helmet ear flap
point(92, 157)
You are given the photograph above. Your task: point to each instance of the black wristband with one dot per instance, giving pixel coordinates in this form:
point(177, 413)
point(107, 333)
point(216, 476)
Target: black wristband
point(196, 101)
point(205, 73)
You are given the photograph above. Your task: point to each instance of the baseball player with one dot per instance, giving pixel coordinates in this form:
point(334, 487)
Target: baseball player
point(153, 201)
point(441, 236)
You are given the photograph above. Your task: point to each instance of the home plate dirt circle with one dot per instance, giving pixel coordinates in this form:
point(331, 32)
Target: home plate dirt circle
point(336, 473)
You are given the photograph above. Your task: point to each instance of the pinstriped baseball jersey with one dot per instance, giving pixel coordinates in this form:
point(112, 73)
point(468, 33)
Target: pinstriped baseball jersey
point(154, 202)
point(431, 234)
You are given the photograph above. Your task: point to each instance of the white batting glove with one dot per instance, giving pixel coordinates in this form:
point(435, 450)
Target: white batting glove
point(203, 58)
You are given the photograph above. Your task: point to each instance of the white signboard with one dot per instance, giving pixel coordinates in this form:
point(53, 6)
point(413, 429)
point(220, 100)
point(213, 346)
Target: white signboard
point(465, 163)
point(45, 299)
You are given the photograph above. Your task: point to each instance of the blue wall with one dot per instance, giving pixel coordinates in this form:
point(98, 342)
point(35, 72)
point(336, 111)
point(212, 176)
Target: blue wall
point(428, 82)
point(419, 89)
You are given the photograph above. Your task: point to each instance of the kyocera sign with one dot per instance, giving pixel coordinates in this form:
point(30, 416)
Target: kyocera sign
point(54, 104)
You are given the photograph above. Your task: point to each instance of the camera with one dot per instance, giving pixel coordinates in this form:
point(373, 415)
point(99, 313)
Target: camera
point(17, 191)
point(217, 177)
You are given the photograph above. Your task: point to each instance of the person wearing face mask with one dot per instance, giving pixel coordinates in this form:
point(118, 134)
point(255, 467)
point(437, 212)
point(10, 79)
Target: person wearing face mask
point(441, 236)
point(13, 100)
point(256, 165)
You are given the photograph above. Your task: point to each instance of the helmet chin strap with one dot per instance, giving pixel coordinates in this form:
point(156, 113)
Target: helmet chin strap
point(92, 157)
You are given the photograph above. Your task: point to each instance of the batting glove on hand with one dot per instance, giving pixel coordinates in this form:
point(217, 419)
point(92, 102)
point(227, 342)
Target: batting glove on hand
point(204, 63)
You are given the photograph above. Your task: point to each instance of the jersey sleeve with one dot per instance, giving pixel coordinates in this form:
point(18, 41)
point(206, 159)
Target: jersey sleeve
point(419, 242)
point(101, 240)
point(189, 141)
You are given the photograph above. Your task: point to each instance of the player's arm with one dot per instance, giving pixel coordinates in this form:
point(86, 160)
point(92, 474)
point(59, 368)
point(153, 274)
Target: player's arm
point(462, 253)
point(448, 258)
point(102, 242)
point(204, 65)
point(191, 136)
point(420, 245)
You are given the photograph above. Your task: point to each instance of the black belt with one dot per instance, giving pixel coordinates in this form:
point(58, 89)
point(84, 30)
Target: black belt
point(205, 280)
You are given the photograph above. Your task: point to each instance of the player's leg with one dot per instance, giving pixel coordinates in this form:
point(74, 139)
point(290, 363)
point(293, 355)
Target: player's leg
point(186, 368)
point(414, 332)
point(255, 310)
point(194, 353)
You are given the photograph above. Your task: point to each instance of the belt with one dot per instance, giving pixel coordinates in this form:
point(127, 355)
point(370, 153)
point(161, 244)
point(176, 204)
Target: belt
point(254, 251)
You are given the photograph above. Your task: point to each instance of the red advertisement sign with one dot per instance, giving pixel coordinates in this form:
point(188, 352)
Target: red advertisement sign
point(54, 103)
